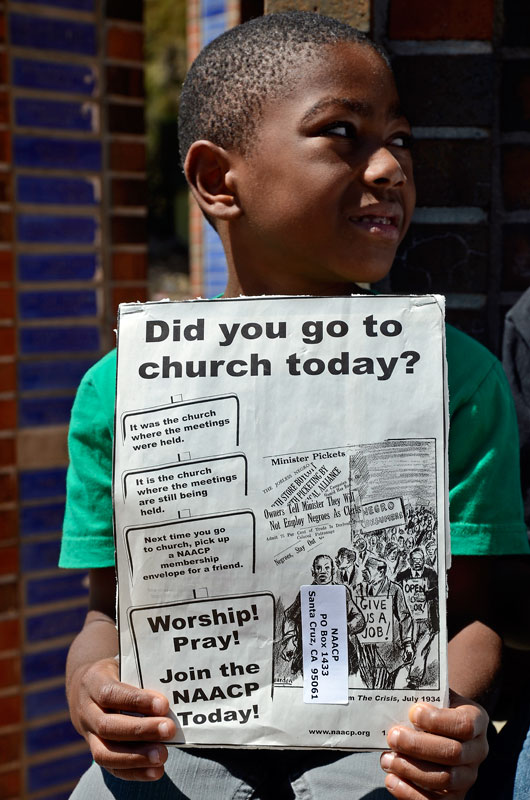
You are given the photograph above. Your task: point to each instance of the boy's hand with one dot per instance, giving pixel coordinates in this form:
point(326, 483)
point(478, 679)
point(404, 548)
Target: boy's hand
point(441, 756)
point(126, 746)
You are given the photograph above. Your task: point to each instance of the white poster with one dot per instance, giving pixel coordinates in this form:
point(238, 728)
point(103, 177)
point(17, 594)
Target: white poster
point(268, 444)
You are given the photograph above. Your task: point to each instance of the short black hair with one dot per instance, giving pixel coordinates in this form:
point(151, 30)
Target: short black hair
point(230, 80)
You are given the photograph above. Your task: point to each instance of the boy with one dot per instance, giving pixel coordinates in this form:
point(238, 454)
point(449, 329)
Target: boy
point(297, 153)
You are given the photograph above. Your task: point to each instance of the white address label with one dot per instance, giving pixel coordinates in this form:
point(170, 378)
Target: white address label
point(324, 643)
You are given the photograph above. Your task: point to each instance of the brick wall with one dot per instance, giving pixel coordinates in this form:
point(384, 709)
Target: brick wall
point(72, 245)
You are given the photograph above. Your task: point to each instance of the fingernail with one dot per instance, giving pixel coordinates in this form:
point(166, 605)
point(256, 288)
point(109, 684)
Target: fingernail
point(386, 760)
point(154, 755)
point(392, 782)
point(163, 730)
point(414, 714)
point(393, 738)
point(158, 705)
point(152, 773)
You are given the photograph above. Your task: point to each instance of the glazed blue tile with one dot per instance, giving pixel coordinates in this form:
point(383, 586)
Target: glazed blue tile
point(212, 27)
point(41, 519)
point(39, 667)
point(37, 484)
point(55, 623)
point(78, 5)
point(43, 305)
point(59, 796)
point(53, 76)
point(38, 375)
point(44, 411)
point(45, 33)
point(209, 7)
point(57, 266)
point(31, 113)
point(59, 191)
point(59, 340)
point(39, 555)
point(49, 773)
point(59, 587)
point(56, 230)
point(48, 153)
point(56, 734)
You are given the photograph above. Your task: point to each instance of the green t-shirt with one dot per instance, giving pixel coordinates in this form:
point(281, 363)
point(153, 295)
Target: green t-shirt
point(485, 500)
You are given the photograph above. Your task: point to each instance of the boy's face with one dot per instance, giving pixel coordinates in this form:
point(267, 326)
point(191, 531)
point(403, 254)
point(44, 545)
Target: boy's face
point(327, 190)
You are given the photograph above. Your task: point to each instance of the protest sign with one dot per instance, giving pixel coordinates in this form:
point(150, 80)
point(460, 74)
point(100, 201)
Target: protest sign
point(280, 503)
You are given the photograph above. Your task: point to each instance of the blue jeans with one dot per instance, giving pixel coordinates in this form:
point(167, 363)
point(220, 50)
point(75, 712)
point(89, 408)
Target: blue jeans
point(521, 788)
point(247, 775)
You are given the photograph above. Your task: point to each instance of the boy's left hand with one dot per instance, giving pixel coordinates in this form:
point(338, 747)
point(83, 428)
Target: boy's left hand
point(440, 757)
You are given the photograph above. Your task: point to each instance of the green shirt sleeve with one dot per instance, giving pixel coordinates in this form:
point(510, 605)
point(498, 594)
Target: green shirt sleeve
point(87, 532)
point(486, 509)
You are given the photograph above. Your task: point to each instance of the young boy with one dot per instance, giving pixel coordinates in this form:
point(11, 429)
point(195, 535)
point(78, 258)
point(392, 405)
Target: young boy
point(296, 151)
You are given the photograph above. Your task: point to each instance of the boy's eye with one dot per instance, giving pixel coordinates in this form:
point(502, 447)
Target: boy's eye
point(345, 129)
point(403, 140)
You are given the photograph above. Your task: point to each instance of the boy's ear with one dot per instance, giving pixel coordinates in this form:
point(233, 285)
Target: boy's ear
point(208, 170)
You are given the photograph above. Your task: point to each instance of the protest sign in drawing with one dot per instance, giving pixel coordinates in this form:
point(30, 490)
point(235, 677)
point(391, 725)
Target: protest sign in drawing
point(268, 444)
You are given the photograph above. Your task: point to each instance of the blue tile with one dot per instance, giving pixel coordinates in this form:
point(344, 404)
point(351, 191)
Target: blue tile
point(46, 153)
point(44, 411)
point(42, 305)
point(43, 666)
point(41, 519)
point(59, 587)
point(54, 76)
point(56, 230)
point(55, 623)
point(41, 483)
point(38, 375)
point(212, 27)
point(78, 5)
point(49, 773)
point(31, 113)
point(65, 191)
point(59, 340)
point(209, 7)
point(57, 266)
point(57, 734)
point(45, 33)
point(40, 555)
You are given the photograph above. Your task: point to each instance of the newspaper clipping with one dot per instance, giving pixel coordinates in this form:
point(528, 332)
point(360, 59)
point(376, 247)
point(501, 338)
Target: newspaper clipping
point(280, 497)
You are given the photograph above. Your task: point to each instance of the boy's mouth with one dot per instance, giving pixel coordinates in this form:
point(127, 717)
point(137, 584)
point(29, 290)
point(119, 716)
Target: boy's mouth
point(386, 227)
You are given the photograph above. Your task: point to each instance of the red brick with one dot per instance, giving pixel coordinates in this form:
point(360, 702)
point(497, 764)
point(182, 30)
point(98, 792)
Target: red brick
point(6, 226)
point(10, 711)
point(126, 81)
point(516, 176)
point(2, 28)
point(8, 524)
point(10, 747)
point(7, 303)
point(5, 147)
point(417, 19)
point(9, 634)
point(4, 75)
point(128, 230)
point(125, 44)
point(124, 118)
point(10, 672)
point(8, 562)
point(129, 266)
point(8, 414)
point(8, 487)
point(6, 265)
point(128, 192)
point(8, 383)
point(7, 341)
point(127, 156)
point(10, 783)
point(4, 108)
point(9, 596)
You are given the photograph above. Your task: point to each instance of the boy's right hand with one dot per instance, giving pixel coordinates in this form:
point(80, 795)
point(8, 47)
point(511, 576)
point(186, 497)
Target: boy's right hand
point(126, 745)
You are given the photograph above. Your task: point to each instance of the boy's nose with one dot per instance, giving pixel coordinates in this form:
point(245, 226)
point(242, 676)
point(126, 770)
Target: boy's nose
point(383, 168)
